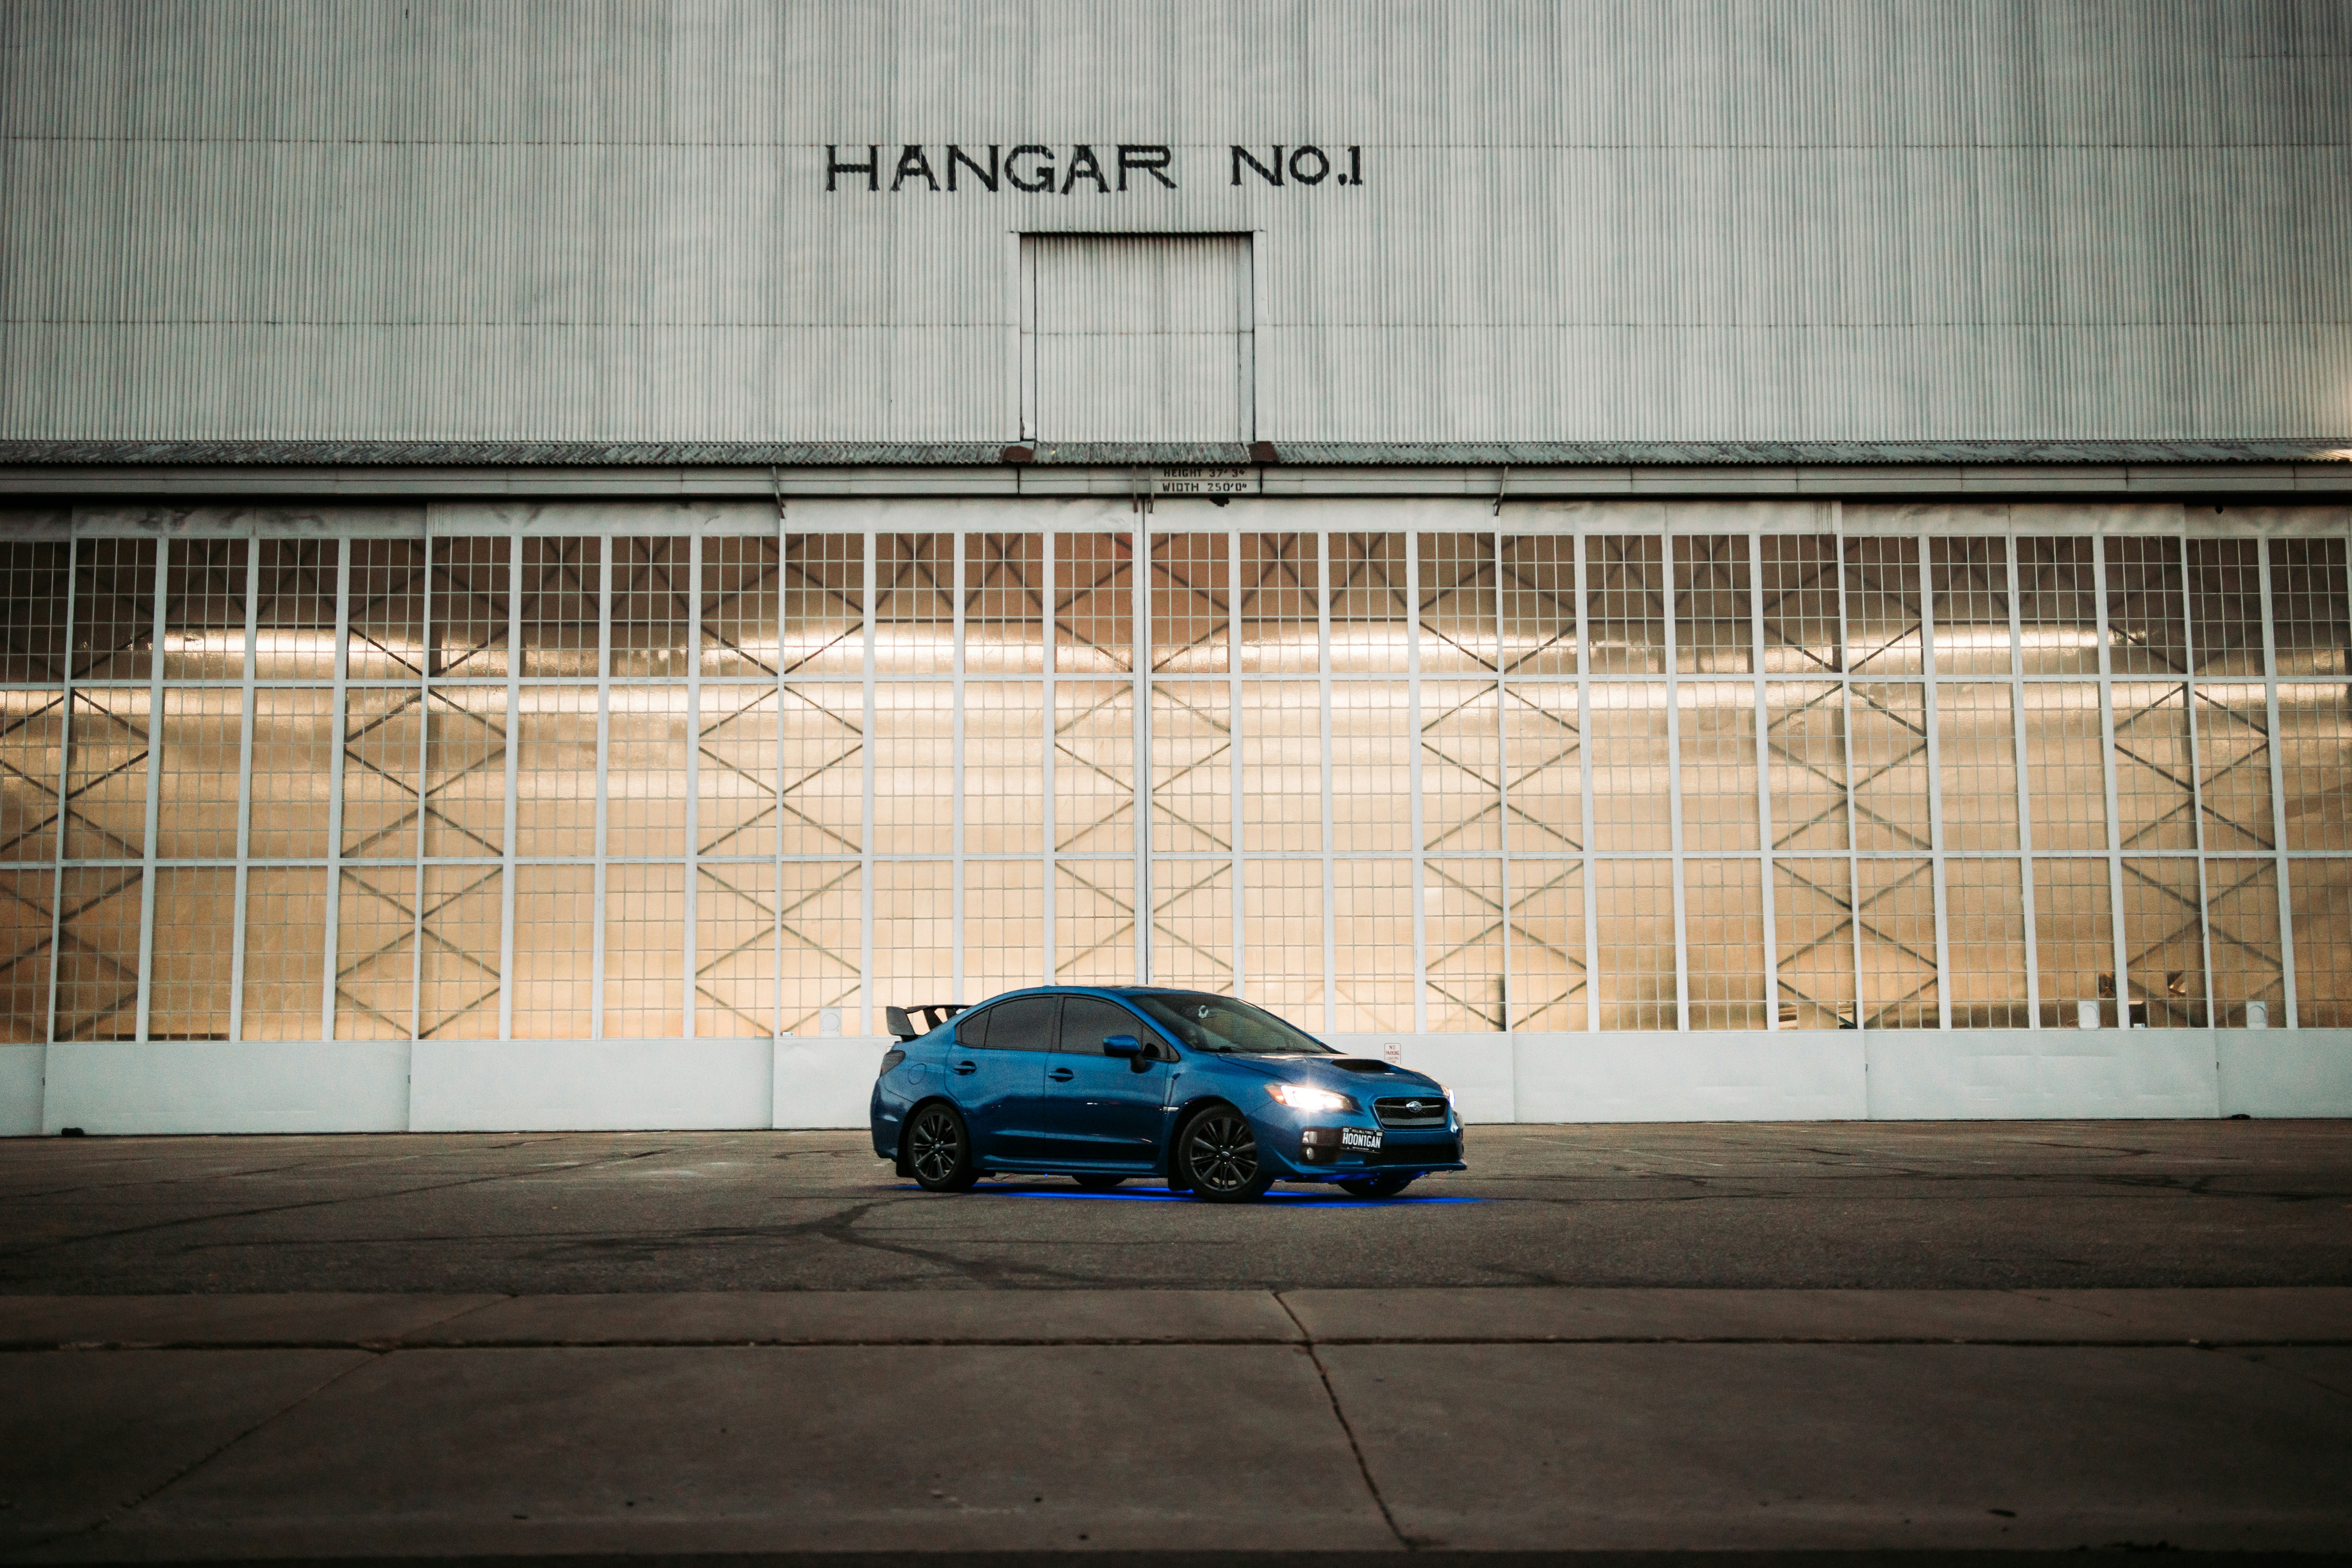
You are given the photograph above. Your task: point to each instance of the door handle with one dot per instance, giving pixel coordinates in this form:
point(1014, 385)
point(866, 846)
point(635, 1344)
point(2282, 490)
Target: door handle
point(1061, 1075)
point(967, 1067)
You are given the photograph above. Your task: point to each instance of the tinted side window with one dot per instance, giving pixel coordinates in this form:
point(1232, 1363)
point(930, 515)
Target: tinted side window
point(1086, 1019)
point(971, 1029)
point(1023, 1024)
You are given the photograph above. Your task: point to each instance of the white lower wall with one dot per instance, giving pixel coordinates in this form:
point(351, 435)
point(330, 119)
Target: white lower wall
point(202, 1086)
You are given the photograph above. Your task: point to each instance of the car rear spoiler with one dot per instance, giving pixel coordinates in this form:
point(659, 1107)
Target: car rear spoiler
point(933, 1014)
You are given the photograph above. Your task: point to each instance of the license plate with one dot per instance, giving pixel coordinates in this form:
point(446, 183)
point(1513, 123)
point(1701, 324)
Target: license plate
point(1359, 1138)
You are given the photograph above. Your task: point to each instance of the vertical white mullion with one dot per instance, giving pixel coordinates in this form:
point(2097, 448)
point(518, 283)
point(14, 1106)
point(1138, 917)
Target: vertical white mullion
point(693, 775)
point(2120, 938)
point(955, 759)
point(1852, 839)
point(510, 816)
point(1592, 877)
point(604, 753)
point(2024, 790)
point(244, 790)
point(1139, 593)
point(1238, 900)
point(64, 782)
point(1674, 777)
point(867, 1012)
point(2278, 790)
point(341, 712)
point(2196, 774)
point(1412, 724)
point(1929, 721)
point(424, 786)
point(1323, 669)
point(1051, 543)
point(155, 783)
point(1502, 779)
point(1763, 781)
point(776, 785)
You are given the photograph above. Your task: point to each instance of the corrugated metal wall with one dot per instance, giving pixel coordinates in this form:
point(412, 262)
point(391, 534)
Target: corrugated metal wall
point(1624, 219)
point(1136, 339)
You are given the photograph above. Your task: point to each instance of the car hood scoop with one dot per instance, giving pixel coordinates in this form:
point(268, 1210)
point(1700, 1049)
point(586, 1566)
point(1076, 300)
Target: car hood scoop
point(1359, 1064)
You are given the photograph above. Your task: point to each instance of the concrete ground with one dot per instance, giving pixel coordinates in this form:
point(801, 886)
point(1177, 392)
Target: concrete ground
point(1781, 1340)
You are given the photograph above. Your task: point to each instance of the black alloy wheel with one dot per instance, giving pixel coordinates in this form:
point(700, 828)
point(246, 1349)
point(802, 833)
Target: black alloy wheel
point(1219, 1158)
point(938, 1149)
point(1381, 1186)
point(1095, 1181)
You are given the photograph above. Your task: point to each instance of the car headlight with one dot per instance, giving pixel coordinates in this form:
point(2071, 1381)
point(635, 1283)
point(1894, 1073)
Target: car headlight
point(1300, 1097)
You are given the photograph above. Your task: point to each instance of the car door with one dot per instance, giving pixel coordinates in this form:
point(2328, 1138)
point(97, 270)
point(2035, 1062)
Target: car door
point(997, 1073)
point(1103, 1110)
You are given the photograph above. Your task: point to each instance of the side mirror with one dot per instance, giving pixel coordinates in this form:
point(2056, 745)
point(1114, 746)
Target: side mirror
point(1122, 1046)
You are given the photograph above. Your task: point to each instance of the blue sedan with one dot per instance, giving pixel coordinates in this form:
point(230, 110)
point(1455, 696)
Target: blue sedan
point(1102, 1084)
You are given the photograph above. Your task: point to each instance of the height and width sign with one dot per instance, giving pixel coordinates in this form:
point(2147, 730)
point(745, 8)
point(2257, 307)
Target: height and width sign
point(1115, 168)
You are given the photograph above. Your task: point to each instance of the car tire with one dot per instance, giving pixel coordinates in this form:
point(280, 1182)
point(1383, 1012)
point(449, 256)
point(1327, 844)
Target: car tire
point(938, 1149)
point(1382, 1186)
point(1218, 1158)
point(1095, 1182)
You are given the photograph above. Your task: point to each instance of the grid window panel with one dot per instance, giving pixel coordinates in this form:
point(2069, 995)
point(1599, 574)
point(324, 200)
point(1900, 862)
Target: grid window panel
point(554, 952)
point(471, 588)
point(189, 980)
point(1282, 768)
point(1094, 767)
point(1372, 933)
point(114, 608)
point(294, 613)
point(1461, 767)
point(1723, 921)
point(1717, 732)
point(1805, 748)
point(386, 610)
point(466, 770)
point(1371, 610)
point(1536, 603)
point(653, 606)
point(1882, 605)
point(1094, 602)
point(27, 900)
point(735, 950)
point(1371, 766)
point(2323, 942)
point(645, 952)
point(382, 742)
point(32, 742)
point(742, 576)
point(457, 971)
point(1625, 604)
point(1094, 922)
point(1889, 748)
point(1549, 990)
point(1813, 926)
point(820, 908)
point(106, 774)
point(2156, 768)
point(555, 771)
point(2315, 762)
point(2164, 938)
point(204, 610)
point(2242, 913)
point(1191, 767)
point(1192, 630)
point(648, 734)
point(735, 788)
point(914, 768)
point(1005, 603)
point(2311, 619)
point(375, 954)
point(1464, 935)
point(2064, 766)
point(914, 604)
point(98, 953)
point(2225, 605)
point(1275, 599)
point(2147, 607)
point(1282, 938)
point(2058, 608)
point(563, 587)
point(1970, 579)
point(823, 791)
point(1895, 917)
point(285, 953)
point(1977, 755)
point(1634, 901)
point(2073, 940)
point(1543, 758)
point(2233, 765)
point(1985, 919)
point(33, 573)
point(1804, 631)
point(1632, 788)
point(1004, 926)
point(1714, 624)
point(914, 933)
point(1192, 924)
point(822, 601)
point(1457, 603)
point(293, 777)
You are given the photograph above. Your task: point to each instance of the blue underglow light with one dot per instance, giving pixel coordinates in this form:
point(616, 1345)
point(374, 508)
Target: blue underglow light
point(1309, 1200)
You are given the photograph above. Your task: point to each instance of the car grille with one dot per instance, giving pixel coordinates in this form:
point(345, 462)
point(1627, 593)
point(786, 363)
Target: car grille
point(1445, 1153)
point(1400, 1110)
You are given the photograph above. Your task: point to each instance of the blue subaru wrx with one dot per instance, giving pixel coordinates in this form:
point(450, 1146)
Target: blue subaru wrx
point(1102, 1084)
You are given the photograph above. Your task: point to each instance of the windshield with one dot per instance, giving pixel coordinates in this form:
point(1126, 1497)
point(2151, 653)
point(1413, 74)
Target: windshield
point(1202, 1022)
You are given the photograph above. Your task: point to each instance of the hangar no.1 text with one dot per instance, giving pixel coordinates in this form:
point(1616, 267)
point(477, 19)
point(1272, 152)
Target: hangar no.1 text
point(1037, 170)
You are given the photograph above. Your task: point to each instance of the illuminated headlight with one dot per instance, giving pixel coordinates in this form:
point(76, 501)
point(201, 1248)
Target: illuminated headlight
point(1300, 1096)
